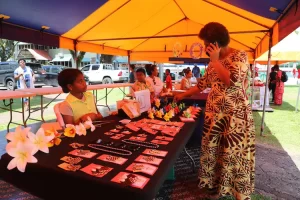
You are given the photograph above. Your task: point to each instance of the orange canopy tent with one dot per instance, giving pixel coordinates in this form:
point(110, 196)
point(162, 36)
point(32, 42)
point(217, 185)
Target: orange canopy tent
point(143, 29)
point(147, 29)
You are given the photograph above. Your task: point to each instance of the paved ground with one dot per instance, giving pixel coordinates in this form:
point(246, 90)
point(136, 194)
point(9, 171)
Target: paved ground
point(277, 175)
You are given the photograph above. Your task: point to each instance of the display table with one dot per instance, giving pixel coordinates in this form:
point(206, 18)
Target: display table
point(11, 95)
point(47, 181)
point(58, 91)
point(259, 96)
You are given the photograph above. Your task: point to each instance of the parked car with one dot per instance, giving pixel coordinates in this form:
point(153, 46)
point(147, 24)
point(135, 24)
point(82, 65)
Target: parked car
point(7, 74)
point(105, 73)
point(39, 74)
point(52, 72)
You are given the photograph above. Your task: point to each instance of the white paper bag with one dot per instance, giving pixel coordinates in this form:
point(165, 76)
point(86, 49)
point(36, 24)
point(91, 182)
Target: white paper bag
point(143, 97)
point(130, 107)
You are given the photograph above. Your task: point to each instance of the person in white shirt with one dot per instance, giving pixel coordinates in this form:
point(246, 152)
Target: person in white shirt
point(24, 77)
point(155, 81)
point(186, 80)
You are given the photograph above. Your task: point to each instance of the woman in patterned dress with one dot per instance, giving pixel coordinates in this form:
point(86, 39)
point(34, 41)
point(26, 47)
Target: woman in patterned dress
point(227, 157)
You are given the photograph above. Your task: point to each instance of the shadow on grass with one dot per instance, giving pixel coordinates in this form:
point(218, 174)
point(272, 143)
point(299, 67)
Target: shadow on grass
point(285, 106)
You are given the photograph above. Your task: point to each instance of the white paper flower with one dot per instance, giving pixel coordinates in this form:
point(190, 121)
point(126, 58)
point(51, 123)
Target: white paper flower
point(171, 112)
point(89, 124)
point(162, 111)
point(19, 136)
point(40, 141)
point(22, 154)
point(153, 110)
point(80, 129)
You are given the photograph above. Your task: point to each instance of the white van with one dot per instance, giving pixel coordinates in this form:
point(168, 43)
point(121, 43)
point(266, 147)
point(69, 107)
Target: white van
point(105, 73)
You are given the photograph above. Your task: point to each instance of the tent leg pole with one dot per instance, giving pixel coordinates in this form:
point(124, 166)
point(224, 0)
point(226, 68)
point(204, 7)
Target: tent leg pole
point(297, 102)
point(266, 86)
point(128, 81)
point(252, 87)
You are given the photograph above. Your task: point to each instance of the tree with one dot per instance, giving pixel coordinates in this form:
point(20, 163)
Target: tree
point(7, 49)
point(78, 57)
point(106, 58)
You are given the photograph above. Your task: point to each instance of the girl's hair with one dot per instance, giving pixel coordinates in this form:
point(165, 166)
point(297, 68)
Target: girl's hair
point(132, 66)
point(66, 77)
point(149, 69)
point(186, 71)
point(140, 70)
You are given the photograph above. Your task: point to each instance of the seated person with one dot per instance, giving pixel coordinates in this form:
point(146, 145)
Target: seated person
point(141, 83)
point(155, 81)
point(186, 80)
point(79, 104)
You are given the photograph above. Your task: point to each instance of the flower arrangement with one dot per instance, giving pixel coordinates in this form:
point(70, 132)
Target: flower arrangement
point(191, 111)
point(24, 144)
point(159, 113)
point(167, 112)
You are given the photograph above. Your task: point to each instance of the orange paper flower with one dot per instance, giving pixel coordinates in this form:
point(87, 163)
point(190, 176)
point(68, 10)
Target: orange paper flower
point(150, 115)
point(56, 140)
point(70, 130)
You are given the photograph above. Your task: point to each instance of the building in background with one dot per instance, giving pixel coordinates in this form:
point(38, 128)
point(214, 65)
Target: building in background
point(50, 55)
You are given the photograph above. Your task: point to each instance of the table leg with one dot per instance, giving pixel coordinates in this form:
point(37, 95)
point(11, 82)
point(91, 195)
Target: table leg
point(96, 95)
point(42, 108)
point(29, 112)
point(193, 162)
point(23, 112)
point(10, 113)
point(106, 99)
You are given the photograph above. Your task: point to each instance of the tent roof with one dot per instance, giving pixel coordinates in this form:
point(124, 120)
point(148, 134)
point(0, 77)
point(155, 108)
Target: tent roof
point(286, 50)
point(148, 29)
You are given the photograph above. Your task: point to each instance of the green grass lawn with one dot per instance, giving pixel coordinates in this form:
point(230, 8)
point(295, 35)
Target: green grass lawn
point(17, 105)
point(113, 95)
point(282, 127)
